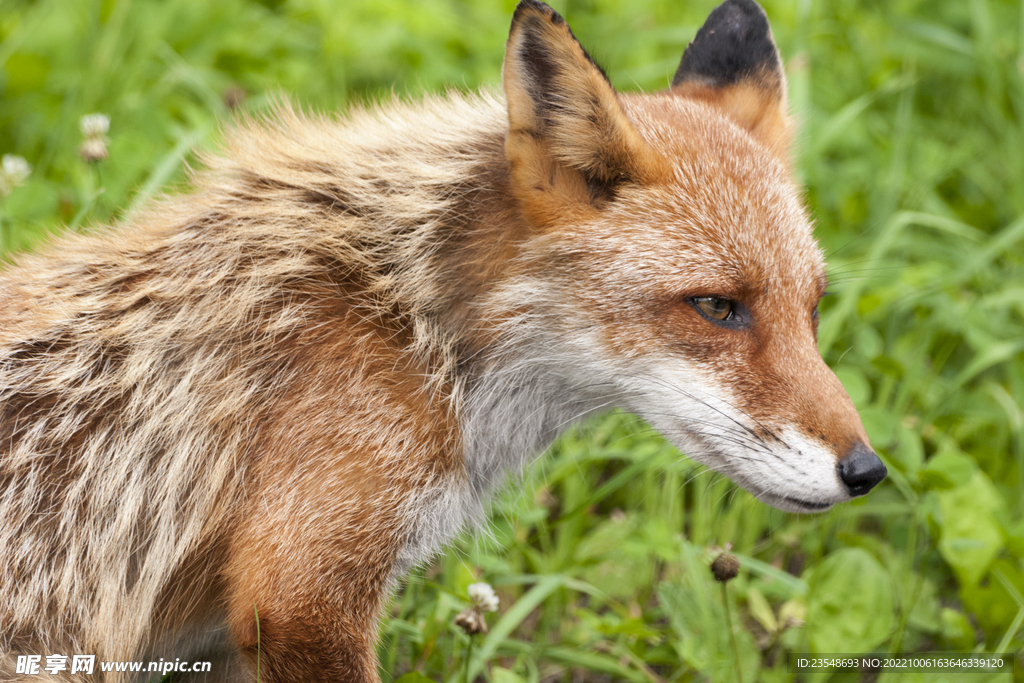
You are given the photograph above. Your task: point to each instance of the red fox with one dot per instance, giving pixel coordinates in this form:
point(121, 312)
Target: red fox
point(276, 394)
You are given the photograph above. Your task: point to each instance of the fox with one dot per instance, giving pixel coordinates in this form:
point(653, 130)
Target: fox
point(230, 424)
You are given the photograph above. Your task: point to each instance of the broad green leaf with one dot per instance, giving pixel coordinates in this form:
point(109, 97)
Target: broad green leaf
point(971, 535)
point(500, 675)
point(851, 603)
point(957, 629)
point(925, 614)
point(995, 603)
point(947, 469)
point(1015, 539)
point(880, 423)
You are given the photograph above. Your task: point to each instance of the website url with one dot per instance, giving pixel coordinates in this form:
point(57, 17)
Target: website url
point(33, 665)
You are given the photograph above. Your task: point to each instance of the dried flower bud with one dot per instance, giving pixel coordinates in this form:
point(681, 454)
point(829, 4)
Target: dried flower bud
point(471, 621)
point(725, 567)
point(14, 170)
point(483, 597)
point(93, 150)
point(94, 125)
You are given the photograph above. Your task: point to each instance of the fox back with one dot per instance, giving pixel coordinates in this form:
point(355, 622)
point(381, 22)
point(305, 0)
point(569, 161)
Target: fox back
point(274, 395)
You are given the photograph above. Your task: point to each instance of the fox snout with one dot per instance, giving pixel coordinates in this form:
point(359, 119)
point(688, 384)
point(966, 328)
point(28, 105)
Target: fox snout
point(860, 470)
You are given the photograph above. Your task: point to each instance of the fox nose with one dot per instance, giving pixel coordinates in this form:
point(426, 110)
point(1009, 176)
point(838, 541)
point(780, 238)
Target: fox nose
point(861, 469)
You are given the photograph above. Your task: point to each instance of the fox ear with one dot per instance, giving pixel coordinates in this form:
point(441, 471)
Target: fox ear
point(569, 139)
point(734, 65)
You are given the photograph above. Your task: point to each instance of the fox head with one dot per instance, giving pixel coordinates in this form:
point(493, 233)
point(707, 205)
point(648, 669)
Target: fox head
point(674, 257)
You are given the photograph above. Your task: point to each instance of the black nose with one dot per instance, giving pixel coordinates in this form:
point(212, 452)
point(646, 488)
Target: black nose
point(861, 469)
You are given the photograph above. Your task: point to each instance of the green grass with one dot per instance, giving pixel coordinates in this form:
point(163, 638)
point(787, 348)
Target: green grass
point(912, 151)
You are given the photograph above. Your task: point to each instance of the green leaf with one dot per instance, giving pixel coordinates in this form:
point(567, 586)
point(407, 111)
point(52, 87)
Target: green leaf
point(698, 616)
point(947, 469)
point(855, 383)
point(995, 602)
point(414, 677)
point(998, 352)
point(910, 450)
point(624, 564)
point(1015, 539)
point(957, 629)
point(888, 366)
point(851, 603)
point(880, 423)
point(971, 535)
point(621, 578)
point(791, 585)
point(500, 675)
point(462, 580)
point(26, 72)
point(761, 610)
point(925, 614)
point(594, 661)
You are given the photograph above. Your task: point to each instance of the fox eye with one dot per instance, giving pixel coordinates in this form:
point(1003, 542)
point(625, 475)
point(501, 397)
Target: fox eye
point(715, 307)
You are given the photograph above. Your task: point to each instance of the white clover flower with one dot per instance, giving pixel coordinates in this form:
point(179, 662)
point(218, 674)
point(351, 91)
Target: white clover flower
point(93, 149)
point(94, 125)
point(472, 620)
point(483, 597)
point(14, 170)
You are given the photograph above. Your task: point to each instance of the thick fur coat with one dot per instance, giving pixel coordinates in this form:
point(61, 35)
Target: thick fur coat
point(277, 393)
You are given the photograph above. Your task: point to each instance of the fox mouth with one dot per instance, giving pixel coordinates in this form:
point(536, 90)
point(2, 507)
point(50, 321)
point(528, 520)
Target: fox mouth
point(793, 504)
point(809, 506)
point(824, 500)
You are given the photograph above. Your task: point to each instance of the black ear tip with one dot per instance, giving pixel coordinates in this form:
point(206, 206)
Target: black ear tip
point(526, 6)
point(745, 14)
point(523, 5)
point(734, 43)
point(748, 7)
point(744, 17)
point(532, 20)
